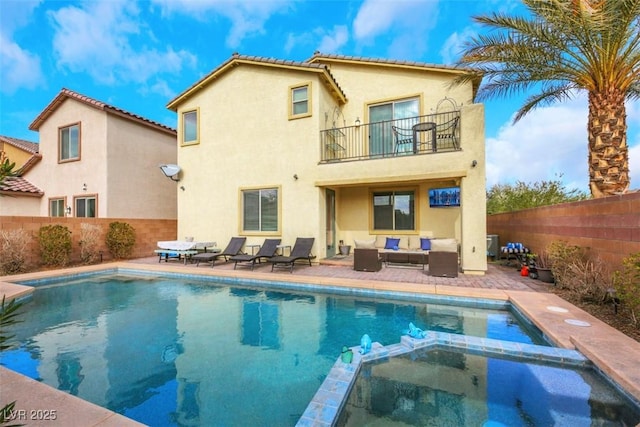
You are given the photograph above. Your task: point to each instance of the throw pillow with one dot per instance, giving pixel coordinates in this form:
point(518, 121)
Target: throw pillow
point(425, 244)
point(392, 243)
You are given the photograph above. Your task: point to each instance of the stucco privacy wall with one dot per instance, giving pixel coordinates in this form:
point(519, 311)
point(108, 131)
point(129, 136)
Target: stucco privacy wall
point(148, 233)
point(609, 227)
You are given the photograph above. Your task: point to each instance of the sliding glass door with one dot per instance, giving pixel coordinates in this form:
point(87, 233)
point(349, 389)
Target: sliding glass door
point(383, 116)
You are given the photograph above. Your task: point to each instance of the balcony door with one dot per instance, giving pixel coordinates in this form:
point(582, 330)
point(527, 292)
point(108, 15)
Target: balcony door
point(382, 117)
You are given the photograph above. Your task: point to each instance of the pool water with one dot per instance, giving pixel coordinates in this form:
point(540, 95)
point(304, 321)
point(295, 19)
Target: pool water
point(180, 351)
point(453, 388)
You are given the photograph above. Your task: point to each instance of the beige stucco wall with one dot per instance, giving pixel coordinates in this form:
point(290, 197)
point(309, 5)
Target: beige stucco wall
point(119, 165)
point(136, 187)
point(22, 205)
point(15, 154)
point(247, 141)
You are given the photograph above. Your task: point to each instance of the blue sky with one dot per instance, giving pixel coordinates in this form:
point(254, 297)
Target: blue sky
point(137, 55)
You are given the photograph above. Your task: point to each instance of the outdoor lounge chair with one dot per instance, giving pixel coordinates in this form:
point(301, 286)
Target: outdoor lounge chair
point(301, 250)
point(267, 250)
point(233, 248)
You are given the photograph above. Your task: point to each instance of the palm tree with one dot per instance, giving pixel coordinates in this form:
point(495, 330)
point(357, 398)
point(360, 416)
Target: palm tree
point(564, 47)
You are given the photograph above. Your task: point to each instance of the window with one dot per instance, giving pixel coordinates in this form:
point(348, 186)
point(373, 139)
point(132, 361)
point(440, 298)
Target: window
point(401, 113)
point(86, 207)
point(260, 210)
point(190, 127)
point(56, 207)
point(300, 101)
point(394, 210)
point(69, 143)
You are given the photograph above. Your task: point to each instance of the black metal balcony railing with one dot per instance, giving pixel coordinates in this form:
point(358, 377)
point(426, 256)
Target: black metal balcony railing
point(432, 133)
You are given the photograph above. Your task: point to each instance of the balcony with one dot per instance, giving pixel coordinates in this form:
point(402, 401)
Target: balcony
point(430, 134)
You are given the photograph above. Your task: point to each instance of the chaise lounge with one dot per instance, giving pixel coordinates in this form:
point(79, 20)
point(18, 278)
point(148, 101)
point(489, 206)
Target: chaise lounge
point(301, 251)
point(233, 248)
point(267, 251)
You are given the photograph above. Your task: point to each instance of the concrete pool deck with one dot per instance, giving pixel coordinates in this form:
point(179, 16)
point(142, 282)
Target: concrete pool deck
point(567, 326)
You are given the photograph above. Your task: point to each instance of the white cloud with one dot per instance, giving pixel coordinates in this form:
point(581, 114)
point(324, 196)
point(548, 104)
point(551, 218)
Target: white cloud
point(403, 23)
point(247, 17)
point(102, 40)
point(550, 142)
point(453, 46)
point(19, 67)
point(332, 42)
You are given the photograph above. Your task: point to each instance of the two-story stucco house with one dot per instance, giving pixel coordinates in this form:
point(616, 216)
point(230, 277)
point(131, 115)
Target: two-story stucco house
point(335, 148)
point(101, 161)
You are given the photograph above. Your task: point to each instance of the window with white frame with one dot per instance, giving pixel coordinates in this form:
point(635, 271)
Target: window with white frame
point(300, 101)
point(56, 207)
point(190, 127)
point(86, 207)
point(69, 143)
point(260, 209)
point(394, 210)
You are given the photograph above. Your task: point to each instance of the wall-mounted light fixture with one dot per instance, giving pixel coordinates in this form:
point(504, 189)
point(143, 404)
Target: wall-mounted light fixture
point(84, 187)
point(474, 163)
point(182, 187)
point(68, 210)
point(171, 171)
point(295, 176)
point(357, 122)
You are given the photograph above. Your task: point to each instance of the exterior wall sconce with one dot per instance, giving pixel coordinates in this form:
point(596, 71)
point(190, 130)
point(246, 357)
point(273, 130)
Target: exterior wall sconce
point(474, 163)
point(68, 210)
point(357, 122)
point(295, 176)
point(84, 187)
point(171, 171)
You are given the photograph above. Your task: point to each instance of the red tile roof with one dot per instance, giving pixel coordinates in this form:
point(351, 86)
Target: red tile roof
point(69, 94)
point(28, 146)
point(15, 185)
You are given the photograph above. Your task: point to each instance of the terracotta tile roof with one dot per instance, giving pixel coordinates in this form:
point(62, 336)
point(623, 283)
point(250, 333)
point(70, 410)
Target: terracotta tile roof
point(15, 185)
point(29, 164)
point(66, 94)
point(237, 59)
point(318, 57)
point(28, 146)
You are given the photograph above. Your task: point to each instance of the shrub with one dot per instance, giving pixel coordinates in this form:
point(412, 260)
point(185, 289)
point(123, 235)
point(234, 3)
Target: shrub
point(626, 282)
point(562, 256)
point(589, 278)
point(13, 246)
point(121, 238)
point(89, 239)
point(55, 245)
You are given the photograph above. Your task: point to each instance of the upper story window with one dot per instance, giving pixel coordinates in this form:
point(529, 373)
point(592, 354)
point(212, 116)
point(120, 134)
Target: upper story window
point(394, 210)
point(69, 143)
point(56, 207)
point(190, 131)
point(300, 101)
point(260, 209)
point(86, 207)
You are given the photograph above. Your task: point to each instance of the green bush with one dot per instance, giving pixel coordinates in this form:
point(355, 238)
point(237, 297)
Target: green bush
point(55, 245)
point(121, 239)
point(13, 246)
point(563, 257)
point(626, 282)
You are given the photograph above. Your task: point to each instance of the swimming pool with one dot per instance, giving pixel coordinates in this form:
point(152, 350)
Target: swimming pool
point(456, 387)
point(180, 350)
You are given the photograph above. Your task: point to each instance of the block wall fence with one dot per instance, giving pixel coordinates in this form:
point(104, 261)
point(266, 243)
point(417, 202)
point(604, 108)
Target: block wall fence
point(609, 227)
point(148, 233)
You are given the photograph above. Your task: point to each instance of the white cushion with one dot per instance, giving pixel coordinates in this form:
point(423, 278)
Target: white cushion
point(365, 244)
point(444, 245)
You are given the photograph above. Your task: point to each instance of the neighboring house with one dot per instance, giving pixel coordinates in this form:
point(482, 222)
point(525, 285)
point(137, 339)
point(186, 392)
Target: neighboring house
point(17, 195)
point(101, 161)
point(283, 148)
